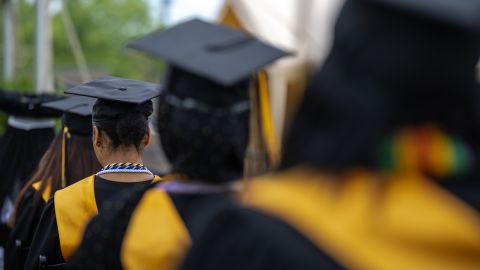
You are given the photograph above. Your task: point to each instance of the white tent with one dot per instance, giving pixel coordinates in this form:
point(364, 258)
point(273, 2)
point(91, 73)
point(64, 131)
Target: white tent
point(303, 27)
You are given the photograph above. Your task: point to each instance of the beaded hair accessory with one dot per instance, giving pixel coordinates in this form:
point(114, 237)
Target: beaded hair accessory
point(124, 168)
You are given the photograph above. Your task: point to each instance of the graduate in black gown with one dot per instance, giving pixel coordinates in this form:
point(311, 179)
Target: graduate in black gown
point(28, 135)
point(29, 132)
point(203, 125)
point(381, 167)
point(72, 146)
point(120, 133)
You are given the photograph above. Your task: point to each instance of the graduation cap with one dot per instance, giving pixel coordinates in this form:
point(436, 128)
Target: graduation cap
point(210, 71)
point(460, 13)
point(117, 97)
point(77, 120)
point(77, 113)
point(221, 54)
point(27, 105)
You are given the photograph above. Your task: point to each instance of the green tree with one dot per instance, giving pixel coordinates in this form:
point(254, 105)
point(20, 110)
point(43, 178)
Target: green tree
point(103, 27)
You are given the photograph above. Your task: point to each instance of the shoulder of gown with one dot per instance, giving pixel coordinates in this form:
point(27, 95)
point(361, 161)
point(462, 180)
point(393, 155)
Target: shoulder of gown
point(22, 213)
point(45, 241)
point(27, 217)
point(241, 238)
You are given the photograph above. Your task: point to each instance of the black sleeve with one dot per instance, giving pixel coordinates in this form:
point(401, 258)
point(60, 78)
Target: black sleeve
point(100, 247)
point(102, 241)
point(27, 217)
point(246, 239)
point(45, 240)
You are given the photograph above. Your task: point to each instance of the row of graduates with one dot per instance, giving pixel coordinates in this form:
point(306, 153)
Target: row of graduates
point(30, 131)
point(204, 125)
point(380, 168)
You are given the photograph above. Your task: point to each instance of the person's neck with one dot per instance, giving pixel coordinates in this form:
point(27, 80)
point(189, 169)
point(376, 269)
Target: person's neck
point(125, 156)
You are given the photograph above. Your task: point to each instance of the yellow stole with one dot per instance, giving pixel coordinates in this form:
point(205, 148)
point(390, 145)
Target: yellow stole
point(156, 237)
point(75, 205)
point(401, 222)
point(46, 193)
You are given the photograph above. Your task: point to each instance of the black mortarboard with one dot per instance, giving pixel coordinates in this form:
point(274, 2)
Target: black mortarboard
point(117, 97)
point(27, 105)
point(221, 54)
point(73, 104)
point(460, 13)
point(77, 113)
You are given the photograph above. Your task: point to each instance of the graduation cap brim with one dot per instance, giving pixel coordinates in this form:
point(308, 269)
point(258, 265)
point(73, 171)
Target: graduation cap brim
point(460, 13)
point(73, 104)
point(27, 105)
point(117, 90)
point(216, 52)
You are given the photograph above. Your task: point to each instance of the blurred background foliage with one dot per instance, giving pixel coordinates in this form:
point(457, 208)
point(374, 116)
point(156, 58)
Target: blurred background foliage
point(103, 29)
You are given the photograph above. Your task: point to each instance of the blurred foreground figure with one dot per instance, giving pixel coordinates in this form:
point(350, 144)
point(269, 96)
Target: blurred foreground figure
point(203, 120)
point(382, 165)
point(72, 146)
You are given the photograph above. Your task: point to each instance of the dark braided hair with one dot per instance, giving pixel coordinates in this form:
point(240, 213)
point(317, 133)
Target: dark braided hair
point(128, 126)
point(126, 131)
point(203, 127)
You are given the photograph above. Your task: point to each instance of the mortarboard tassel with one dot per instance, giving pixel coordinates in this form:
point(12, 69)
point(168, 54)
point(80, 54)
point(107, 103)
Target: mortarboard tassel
point(267, 124)
point(65, 137)
point(256, 161)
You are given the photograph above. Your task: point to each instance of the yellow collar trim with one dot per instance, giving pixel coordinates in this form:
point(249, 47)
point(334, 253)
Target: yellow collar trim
point(156, 237)
point(74, 206)
point(46, 193)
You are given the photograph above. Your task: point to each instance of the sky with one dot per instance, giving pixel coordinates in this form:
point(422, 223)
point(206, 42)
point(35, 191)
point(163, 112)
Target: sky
point(184, 9)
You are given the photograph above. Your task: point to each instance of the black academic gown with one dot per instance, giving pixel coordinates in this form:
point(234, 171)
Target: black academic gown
point(20, 153)
point(46, 242)
point(245, 238)
point(241, 238)
point(102, 242)
point(27, 217)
